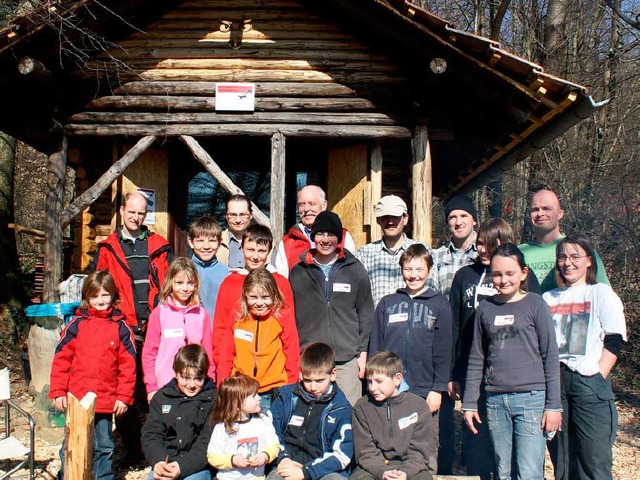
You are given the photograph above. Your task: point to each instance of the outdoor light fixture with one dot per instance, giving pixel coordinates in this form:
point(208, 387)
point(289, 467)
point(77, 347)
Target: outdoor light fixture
point(438, 65)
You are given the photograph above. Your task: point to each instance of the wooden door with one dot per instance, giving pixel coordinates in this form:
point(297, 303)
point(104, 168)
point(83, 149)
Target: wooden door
point(346, 185)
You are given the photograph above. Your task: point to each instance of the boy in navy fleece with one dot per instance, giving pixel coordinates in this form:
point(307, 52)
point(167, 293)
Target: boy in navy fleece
point(415, 323)
point(313, 421)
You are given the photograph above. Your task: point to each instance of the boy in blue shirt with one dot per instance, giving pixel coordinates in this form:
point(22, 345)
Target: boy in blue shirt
point(313, 421)
point(204, 239)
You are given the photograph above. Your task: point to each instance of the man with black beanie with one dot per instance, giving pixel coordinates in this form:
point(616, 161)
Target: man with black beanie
point(333, 303)
point(460, 215)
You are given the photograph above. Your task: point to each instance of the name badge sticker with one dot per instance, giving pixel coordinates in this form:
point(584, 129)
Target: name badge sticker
point(296, 420)
point(342, 287)
point(244, 335)
point(173, 333)
point(408, 421)
point(503, 320)
point(398, 317)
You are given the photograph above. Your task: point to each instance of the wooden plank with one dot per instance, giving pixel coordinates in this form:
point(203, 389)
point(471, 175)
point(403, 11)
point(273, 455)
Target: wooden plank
point(246, 75)
point(214, 15)
point(278, 158)
point(273, 89)
point(422, 185)
point(196, 43)
point(259, 31)
point(189, 103)
point(375, 178)
point(222, 178)
point(56, 171)
point(212, 130)
point(92, 193)
point(222, 118)
point(249, 50)
point(322, 65)
point(347, 180)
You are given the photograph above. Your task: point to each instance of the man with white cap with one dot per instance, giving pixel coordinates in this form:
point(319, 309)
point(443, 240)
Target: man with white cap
point(381, 257)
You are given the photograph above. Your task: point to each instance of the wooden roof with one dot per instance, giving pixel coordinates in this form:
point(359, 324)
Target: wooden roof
point(489, 109)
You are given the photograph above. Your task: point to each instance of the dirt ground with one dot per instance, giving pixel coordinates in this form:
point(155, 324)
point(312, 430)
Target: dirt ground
point(626, 451)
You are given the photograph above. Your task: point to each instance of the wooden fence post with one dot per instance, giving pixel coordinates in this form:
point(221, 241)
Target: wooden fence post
point(78, 449)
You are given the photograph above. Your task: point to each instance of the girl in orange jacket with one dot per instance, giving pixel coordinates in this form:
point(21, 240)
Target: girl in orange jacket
point(262, 343)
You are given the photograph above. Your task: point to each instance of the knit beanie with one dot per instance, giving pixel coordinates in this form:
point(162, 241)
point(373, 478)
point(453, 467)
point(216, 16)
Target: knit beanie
point(460, 202)
point(327, 221)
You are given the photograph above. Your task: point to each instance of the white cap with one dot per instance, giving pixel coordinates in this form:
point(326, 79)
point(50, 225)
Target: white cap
point(391, 205)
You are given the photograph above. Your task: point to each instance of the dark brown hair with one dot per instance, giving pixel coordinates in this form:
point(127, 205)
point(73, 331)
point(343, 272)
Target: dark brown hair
point(494, 232)
point(416, 250)
point(94, 283)
point(205, 226)
point(191, 357)
point(317, 358)
point(583, 242)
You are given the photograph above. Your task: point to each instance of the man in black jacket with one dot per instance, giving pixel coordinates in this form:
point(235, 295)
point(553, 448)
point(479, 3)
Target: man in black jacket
point(332, 295)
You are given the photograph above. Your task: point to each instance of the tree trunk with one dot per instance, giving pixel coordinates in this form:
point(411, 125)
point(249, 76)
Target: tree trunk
point(12, 295)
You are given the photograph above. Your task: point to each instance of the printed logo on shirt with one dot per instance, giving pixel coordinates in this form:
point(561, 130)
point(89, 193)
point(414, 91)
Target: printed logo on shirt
point(166, 409)
point(408, 421)
point(398, 317)
point(244, 335)
point(248, 447)
point(503, 320)
point(342, 287)
point(571, 323)
point(296, 420)
point(173, 332)
point(331, 419)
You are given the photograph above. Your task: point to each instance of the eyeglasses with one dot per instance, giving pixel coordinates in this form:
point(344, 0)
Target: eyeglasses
point(238, 215)
point(327, 235)
point(575, 258)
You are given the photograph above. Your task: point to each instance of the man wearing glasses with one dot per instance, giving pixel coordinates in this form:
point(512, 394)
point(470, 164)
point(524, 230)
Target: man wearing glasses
point(239, 218)
point(333, 304)
point(540, 253)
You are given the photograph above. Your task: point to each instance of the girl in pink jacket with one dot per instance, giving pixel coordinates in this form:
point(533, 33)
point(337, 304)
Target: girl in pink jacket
point(179, 320)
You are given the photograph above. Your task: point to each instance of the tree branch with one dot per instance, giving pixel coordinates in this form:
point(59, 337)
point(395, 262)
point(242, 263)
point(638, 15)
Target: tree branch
point(615, 8)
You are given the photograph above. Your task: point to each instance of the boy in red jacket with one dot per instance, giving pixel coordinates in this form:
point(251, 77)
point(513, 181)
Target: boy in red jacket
point(96, 353)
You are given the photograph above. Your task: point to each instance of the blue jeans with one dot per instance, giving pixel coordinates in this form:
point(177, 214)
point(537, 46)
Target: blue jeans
point(515, 423)
point(201, 475)
point(102, 448)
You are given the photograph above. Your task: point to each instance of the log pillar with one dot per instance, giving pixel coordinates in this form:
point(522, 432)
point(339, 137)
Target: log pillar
point(375, 176)
point(278, 155)
point(78, 449)
point(53, 226)
point(422, 186)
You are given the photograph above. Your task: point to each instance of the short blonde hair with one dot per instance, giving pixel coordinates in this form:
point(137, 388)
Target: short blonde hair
point(385, 363)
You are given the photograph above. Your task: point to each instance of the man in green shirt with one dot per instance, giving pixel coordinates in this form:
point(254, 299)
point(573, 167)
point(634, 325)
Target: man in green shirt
point(540, 253)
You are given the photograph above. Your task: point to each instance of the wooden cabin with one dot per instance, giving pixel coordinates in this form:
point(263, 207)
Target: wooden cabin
point(362, 97)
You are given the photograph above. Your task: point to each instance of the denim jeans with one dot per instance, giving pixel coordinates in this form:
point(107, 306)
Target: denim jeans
point(515, 426)
point(201, 475)
point(102, 448)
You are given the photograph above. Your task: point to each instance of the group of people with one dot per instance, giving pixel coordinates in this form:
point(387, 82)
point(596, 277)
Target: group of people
point(213, 348)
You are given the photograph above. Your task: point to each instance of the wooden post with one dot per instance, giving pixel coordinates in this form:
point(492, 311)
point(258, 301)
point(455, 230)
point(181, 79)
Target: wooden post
point(376, 188)
point(105, 181)
point(222, 178)
point(278, 155)
point(78, 449)
point(422, 186)
point(53, 226)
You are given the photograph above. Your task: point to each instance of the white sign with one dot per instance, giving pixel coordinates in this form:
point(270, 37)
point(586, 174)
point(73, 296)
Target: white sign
point(235, 97)
point(150, 195)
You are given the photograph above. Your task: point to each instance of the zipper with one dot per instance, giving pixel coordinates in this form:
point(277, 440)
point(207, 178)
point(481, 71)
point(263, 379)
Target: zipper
point(255, 349)
point(389, 417)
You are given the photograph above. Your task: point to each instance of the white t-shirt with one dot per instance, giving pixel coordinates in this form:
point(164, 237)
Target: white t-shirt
point(582, 316)
point(249, 440)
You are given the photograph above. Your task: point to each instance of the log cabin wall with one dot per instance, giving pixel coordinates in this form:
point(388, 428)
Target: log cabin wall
point(313, 79)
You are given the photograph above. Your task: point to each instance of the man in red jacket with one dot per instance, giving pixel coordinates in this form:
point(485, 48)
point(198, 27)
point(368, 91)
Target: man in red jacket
point(138, 260)
point(311, 201)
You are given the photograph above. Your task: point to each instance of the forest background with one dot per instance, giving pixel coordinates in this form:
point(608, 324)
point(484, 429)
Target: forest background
point(594, 167)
